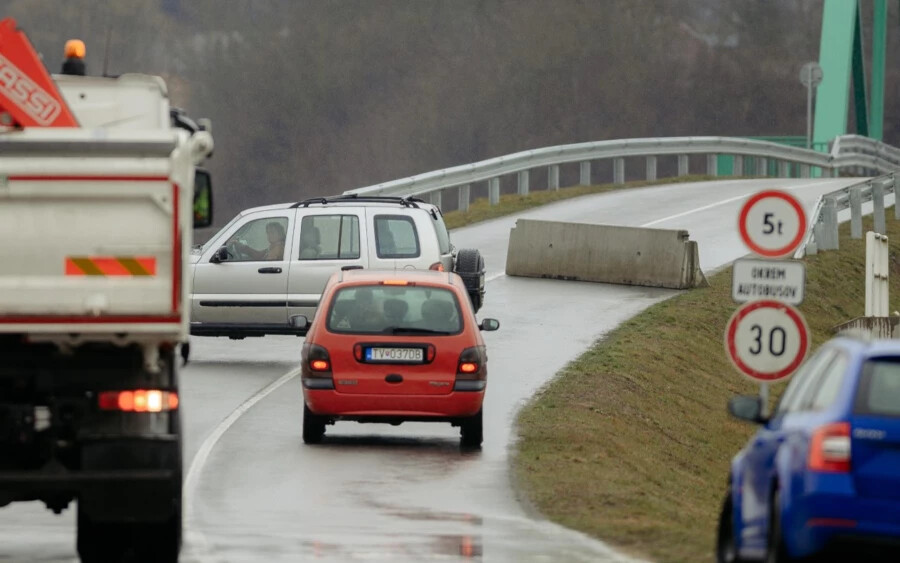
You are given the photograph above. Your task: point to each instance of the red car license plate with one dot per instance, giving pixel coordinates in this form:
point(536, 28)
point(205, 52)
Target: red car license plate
point(404, 355)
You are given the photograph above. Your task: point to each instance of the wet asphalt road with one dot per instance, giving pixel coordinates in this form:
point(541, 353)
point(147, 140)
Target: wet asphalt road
point(254, 492)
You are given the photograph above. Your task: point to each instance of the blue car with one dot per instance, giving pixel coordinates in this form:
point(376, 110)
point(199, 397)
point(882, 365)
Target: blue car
point(821, 477)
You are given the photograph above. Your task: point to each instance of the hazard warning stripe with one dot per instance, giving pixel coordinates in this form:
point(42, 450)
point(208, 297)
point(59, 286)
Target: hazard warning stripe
point(134, 266)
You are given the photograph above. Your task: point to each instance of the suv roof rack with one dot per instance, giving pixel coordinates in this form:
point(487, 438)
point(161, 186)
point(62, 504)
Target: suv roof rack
point(345, 198)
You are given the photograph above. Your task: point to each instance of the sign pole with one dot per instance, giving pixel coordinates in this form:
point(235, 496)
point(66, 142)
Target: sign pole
point(810, 76)
point(809, 89)
point(764, 399)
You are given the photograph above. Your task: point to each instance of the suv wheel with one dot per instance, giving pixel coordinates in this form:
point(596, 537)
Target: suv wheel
point(470, 267)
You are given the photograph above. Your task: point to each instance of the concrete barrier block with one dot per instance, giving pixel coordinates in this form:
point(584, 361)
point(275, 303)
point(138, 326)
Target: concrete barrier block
point(604, 253)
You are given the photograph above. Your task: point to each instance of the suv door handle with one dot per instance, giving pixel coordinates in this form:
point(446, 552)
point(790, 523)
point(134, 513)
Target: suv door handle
point(269, 270)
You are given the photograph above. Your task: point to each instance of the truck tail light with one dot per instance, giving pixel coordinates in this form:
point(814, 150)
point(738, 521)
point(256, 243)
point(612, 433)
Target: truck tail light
point(829, 449)
point(437, 266)
point(138, 400)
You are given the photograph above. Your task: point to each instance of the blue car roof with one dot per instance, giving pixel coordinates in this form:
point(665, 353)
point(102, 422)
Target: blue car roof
point(870, 348)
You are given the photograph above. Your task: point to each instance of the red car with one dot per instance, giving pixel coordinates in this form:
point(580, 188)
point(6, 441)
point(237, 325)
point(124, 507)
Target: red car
point(392, 347)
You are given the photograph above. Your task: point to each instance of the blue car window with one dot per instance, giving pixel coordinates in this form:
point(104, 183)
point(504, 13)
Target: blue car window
point(828, 385)
point(797, 389)
point(879, 389)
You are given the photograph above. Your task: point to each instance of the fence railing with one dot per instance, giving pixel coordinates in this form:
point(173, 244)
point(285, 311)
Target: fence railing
point(823, 223)
point(750, 157)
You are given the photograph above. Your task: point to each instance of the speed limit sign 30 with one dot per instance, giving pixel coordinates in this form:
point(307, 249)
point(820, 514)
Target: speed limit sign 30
point(767, 340)
point(772, 223)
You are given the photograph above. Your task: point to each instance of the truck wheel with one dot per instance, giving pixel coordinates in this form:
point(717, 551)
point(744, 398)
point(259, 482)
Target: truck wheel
point(470, 267)
point(313, 427)
point(144, 542)
point(470, 432)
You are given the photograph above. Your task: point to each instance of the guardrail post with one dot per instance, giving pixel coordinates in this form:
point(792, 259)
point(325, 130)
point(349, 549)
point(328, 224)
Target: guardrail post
point(738, 167)
point(618, 171)
point(683, 165)
point(762, 167)
point(878, 206)
point(651, 168)
point(585, 176)
point(804, 170)
point(523, 182)
point(855, 213)
point(784, 169)
point(435, 198)
point(712, 165)
point(463, 198)
point(494, 191)
point(818, 237)
point(830, 227)
point(553, 177)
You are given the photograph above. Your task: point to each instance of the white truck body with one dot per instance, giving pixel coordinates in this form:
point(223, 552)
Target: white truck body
point(96, 222)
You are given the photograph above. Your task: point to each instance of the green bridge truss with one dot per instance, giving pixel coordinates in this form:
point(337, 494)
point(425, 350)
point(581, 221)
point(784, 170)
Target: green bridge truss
point(843, 65)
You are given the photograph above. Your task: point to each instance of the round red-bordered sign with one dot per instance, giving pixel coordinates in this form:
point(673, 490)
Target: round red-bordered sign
point(772, 223)
point(767, 340)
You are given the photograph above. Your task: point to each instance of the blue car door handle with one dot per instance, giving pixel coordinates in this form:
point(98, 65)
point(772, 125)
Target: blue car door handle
point(269, 270)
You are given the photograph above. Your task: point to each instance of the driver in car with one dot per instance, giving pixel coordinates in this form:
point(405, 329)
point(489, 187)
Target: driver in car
point(276, 235)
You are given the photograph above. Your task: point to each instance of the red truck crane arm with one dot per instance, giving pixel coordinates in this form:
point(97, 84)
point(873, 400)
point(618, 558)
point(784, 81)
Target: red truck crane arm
point(28, 96)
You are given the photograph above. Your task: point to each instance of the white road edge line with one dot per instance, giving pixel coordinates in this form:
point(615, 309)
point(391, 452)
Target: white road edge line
point(729, 200)
point(202, 456)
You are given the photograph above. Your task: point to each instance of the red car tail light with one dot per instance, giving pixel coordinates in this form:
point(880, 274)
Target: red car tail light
point(138, 400)
point(471, 372)
point(316, 367)
point(829, 449)
point(437, 266)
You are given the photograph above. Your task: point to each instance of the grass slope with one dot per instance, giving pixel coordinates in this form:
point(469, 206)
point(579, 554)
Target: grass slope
point(631, 442)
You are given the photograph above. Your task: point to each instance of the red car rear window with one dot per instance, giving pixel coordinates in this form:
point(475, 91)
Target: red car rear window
point(394, 309)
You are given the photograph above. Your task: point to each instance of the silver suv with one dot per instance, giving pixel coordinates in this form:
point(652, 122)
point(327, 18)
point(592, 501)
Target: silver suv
point(270, 264)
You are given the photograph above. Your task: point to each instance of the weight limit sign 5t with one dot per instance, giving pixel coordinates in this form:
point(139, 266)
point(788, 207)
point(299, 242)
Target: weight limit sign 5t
point(767, 340)
point(772, 223)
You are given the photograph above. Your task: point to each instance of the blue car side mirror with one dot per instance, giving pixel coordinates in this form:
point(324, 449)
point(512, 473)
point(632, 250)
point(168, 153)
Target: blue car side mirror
point(747, 407)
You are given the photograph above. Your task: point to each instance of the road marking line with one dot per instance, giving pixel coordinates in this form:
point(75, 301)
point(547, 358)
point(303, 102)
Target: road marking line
point(198, 539)
point(729, 200)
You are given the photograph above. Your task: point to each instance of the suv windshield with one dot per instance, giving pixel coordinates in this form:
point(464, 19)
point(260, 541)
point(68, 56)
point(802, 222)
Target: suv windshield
point(394, 309)
point(879, 389)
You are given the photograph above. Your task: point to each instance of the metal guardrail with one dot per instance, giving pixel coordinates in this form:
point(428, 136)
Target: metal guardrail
point(851, 152)
point(823, 223)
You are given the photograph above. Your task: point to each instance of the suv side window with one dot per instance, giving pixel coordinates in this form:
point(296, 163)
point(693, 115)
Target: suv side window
point(396, 237)
point(796, 389)
point(329, 237)
point(258, 240)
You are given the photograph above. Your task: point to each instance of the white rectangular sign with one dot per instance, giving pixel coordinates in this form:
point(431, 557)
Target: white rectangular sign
point(779, 280)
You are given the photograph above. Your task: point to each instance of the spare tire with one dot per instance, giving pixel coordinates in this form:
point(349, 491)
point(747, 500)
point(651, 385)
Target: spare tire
point(470, 267)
